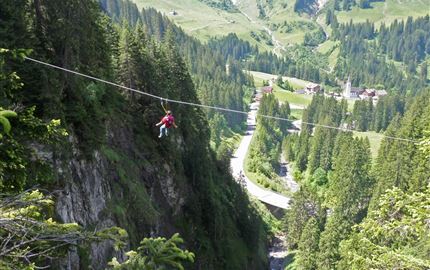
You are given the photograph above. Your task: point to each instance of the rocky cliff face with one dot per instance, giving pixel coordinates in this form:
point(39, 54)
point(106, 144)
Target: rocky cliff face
point(92, 186)
point(83, 200)
point(153, 187)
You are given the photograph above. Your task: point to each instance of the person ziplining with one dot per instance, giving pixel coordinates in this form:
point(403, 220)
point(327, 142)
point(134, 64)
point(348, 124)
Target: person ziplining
point(166, 122)
point(200, 105)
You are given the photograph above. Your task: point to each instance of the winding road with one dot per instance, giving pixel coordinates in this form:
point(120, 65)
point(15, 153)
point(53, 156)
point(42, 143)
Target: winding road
point(238, 159)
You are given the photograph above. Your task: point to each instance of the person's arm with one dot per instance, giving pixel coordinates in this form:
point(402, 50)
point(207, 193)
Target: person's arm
point(159, 123)
point(174, 125)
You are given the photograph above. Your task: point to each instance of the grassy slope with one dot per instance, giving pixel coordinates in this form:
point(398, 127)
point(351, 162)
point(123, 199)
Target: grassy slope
point(387, 11)
point(202, 21)
point(282, 95)
point(374, 139)
point(278, 14)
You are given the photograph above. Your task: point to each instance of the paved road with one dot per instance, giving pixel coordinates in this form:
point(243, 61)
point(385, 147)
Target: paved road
point(238, 159)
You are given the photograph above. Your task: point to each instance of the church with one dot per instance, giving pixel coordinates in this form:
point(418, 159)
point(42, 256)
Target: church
point(351, 92)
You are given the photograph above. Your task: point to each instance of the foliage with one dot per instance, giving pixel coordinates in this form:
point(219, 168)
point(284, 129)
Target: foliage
point(17, 167)
point(425, 145)
point(366, 61)
point(306, 258)
point(283, 84)
point(307, 6)
point(305, 206)
point(4, 121)
point(266, 145)
point(30, 240)
point(213, 213)
point(156, 253)
point(314, 38)
point(394, 236)
point(401, 163)
point(221, 4)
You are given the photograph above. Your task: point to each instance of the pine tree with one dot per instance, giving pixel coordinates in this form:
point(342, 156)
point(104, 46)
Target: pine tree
point(393, 236)
point(305, 205)
point(350, 182)
point(336, 229)
point(308, 246)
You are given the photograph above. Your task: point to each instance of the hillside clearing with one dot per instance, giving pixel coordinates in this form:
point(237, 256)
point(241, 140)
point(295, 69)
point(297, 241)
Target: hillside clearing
point(202, 21)
point(386, 11)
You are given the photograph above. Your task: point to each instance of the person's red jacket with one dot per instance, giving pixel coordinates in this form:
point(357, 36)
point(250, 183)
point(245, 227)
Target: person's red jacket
point(168, 120)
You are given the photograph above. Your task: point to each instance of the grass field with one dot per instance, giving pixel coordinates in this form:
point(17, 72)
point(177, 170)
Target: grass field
point(329, 49)
point(296, 113)
point(387, 11)
point(202, 21)
point(281, 11)
point(294, 99)
point(327, 46)
point(294, 82)
point(375, 140)
point(332, 59)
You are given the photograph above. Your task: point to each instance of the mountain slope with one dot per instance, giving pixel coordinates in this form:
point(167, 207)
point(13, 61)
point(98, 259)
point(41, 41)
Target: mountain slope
point(250, 21)
point(201, 20)
point(112, 169)
point(386, 11)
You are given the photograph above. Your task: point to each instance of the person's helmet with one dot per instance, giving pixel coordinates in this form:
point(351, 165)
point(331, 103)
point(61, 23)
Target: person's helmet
point(169, 112)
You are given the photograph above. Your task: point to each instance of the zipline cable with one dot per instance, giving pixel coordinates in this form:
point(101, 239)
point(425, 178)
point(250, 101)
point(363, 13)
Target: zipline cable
point(200, 105)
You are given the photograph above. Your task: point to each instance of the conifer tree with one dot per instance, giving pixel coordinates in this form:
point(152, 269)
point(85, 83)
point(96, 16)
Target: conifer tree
point(308, 246)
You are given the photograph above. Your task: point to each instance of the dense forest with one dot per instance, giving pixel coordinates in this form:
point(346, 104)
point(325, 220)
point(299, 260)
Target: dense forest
point(207, 64)
point(85, 183)
point(393, 56)
point(352, 212)
point(266, 148)
point(101, 151)
point(228, 49)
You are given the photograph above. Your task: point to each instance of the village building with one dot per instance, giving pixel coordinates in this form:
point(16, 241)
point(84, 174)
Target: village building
point(351, 92)
point(368, 93)
point(267, 89)
point(381, 93)
point(312, 88)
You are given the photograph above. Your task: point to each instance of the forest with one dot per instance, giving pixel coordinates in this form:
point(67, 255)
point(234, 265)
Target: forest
point(93, 150)
point(353, 212)
point(85, 183)
point(372, 56)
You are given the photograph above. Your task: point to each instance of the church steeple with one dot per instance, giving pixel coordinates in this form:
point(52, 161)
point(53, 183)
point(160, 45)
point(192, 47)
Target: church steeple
point(347, 90)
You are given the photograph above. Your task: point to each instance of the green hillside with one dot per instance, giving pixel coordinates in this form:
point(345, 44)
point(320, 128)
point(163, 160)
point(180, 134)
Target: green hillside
point(287, 25)
point(203, 21)
point(386, 11)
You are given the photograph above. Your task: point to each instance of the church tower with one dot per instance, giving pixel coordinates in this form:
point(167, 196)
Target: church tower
point(347, 90)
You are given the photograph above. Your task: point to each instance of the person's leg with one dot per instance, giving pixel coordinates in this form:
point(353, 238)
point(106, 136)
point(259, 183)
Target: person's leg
point(165, 131)
point(162, 128)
